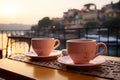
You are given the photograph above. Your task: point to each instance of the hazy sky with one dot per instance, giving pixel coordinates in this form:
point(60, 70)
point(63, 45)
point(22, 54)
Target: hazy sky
point(31, 11)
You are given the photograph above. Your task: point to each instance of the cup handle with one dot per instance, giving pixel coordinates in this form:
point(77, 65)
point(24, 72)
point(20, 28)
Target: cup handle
point(58, 43)
point(104, 49)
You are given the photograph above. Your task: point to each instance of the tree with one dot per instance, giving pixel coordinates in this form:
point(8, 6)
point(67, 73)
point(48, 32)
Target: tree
point(91, 24)
point(113, 22)
point(114, 26)
point(57, 25)
point(34, 27)
point(44, 23)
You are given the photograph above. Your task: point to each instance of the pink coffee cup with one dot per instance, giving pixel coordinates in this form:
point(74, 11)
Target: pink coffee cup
point(82, 51)
point(44, 46)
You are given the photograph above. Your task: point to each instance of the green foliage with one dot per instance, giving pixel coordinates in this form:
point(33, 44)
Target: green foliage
point(44, 23)
point(58, 25)
point(91, 24)
point(34, 27)
point(113, 22)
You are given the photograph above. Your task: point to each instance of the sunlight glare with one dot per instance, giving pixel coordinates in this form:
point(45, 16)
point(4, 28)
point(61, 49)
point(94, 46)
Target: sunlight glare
point(8, 11)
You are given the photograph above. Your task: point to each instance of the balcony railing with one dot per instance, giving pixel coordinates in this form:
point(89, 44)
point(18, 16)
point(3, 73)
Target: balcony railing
point(110, 36)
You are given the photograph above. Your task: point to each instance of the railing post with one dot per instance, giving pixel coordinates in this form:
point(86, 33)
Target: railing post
point(79, 33)
point(86, 32)
point(108, 41)
point(1, 54)
point(117, 37)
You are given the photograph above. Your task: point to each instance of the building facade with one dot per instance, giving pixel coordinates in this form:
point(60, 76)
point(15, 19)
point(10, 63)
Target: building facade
point(75, 18)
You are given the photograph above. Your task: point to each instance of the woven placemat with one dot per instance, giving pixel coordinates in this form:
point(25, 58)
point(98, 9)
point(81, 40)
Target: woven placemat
point(109, 70)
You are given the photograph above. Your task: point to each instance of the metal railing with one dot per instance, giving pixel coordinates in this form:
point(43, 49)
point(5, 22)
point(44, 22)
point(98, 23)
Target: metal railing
point(110, 36)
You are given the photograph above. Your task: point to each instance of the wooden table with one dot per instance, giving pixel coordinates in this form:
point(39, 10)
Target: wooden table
point(24, 71)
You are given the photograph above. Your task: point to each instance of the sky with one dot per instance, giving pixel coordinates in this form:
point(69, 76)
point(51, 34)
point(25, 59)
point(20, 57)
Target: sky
point(31, 11)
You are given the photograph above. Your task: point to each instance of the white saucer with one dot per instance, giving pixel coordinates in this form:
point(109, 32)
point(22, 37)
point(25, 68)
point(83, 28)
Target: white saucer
point(54, 53)
point(69, 62)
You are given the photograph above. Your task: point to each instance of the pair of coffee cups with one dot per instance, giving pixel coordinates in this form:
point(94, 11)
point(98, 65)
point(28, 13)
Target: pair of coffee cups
point(81, 51)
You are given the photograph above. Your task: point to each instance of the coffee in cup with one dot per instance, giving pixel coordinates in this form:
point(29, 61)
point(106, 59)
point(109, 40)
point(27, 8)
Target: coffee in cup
point(82, 51)
point(44, 46)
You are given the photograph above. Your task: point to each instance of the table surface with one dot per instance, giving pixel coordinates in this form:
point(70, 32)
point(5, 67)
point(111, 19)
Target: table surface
point(42, 73)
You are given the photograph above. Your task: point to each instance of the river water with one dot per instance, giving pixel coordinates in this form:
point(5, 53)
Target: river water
point(12, 46)
point(18, 47)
